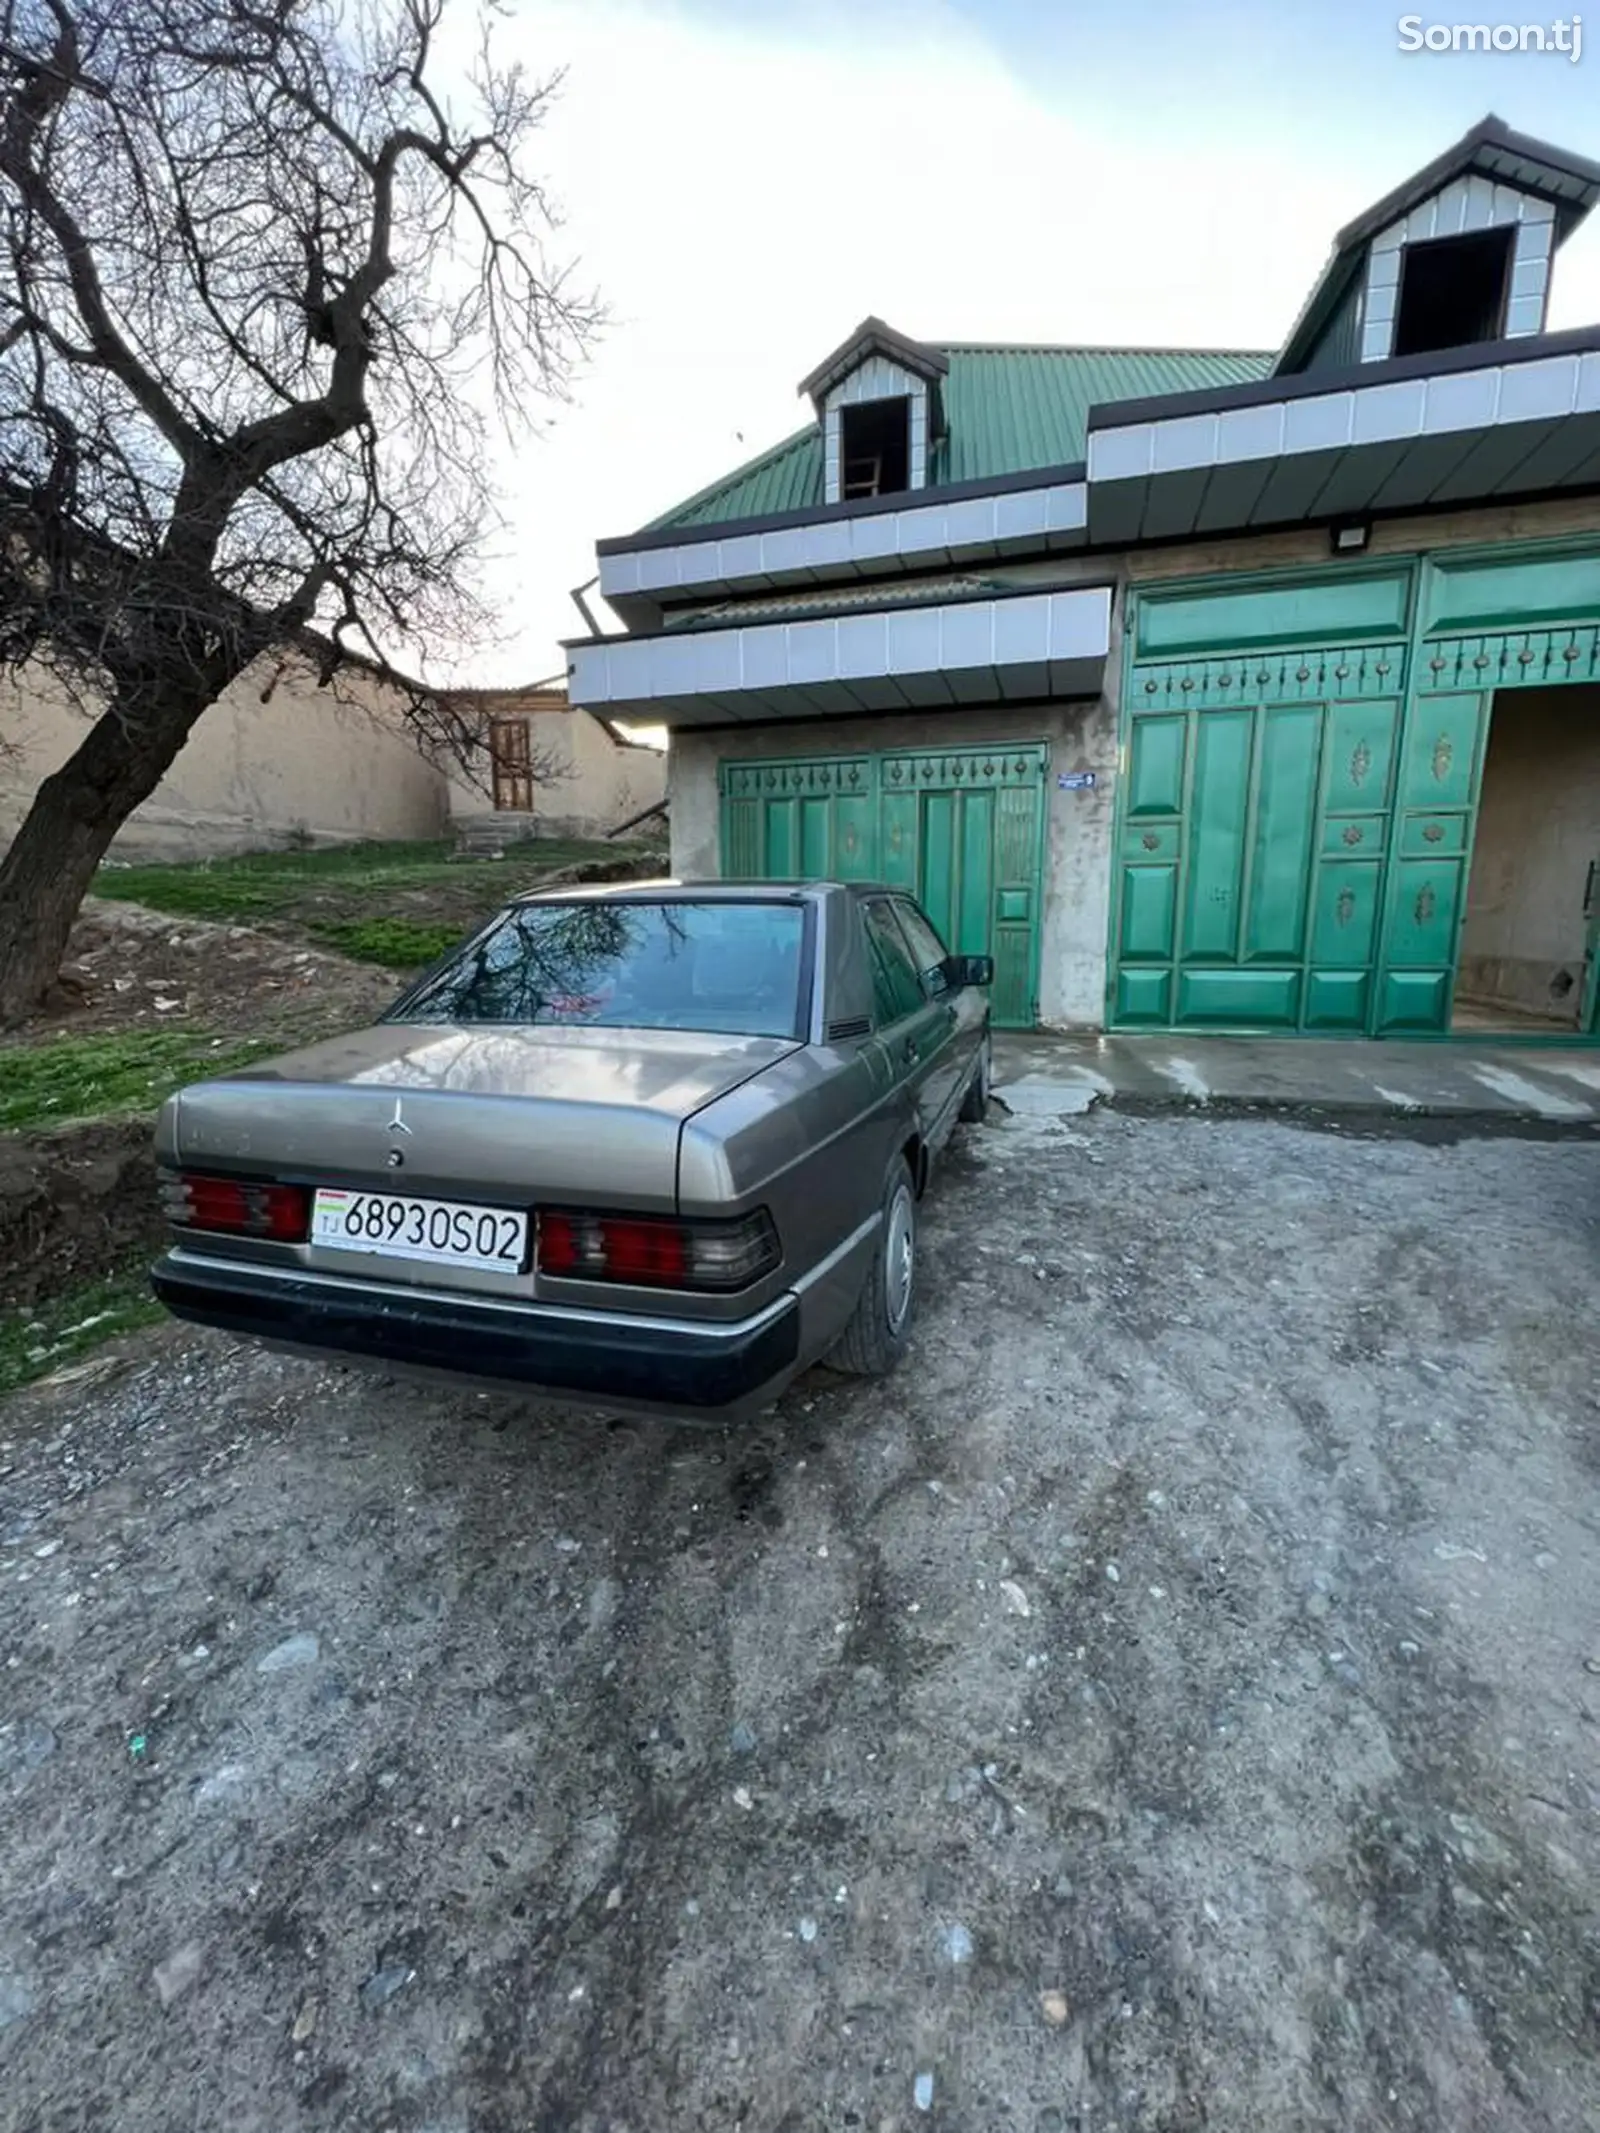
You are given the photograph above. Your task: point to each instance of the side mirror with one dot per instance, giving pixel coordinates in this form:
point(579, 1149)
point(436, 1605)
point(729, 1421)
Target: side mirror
point(964, 970)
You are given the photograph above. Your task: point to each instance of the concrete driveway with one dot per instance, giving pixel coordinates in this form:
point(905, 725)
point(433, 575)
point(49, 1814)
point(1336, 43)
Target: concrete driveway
point(1170, 1704)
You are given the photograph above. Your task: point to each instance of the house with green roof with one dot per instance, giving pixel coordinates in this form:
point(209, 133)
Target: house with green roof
point(1220, 690)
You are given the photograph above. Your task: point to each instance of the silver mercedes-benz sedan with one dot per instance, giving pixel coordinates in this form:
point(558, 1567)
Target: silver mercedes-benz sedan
point(656, 1148)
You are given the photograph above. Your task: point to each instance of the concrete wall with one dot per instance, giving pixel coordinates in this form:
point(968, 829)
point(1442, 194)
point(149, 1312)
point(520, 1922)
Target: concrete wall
point(597, 781)
point(1081, 736)
point(1538, 831)
point(275, 757)
point(1307, 547)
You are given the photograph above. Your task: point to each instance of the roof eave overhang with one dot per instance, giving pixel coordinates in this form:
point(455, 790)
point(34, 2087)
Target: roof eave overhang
point(872, 337)
point(1476, 425)
point(1496, 151)
point(1023, 647)
point(926, 529)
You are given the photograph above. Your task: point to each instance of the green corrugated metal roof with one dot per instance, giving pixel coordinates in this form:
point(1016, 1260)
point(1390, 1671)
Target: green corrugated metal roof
point(1006, 410)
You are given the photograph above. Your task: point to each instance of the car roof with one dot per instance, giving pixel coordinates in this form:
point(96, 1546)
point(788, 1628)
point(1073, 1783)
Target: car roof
point(731, 892)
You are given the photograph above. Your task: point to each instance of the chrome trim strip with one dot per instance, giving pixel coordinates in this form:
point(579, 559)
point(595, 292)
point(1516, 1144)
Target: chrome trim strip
point(517, 1307)
point(824, 1267)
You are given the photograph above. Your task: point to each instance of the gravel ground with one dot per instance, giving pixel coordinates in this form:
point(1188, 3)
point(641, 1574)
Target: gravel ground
point(1170, 1704)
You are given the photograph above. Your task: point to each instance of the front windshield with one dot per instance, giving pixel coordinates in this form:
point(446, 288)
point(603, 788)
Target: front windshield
point(732, 968)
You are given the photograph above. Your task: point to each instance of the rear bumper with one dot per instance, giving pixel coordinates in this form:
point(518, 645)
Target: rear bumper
point(718, 1372)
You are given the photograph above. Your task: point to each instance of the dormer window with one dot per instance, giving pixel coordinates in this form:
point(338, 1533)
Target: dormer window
point(875, 448)
point(878, 398)
point(1453, 292)
point(1457, 256)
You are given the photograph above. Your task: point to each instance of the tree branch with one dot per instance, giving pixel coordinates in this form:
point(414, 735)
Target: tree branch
point(46, 88)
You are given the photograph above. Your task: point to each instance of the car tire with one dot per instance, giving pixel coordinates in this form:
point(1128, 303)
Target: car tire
point(875, 1339)
point(975, 1104)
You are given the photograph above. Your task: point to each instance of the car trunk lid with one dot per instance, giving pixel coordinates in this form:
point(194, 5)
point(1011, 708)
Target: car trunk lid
point(506, 1115)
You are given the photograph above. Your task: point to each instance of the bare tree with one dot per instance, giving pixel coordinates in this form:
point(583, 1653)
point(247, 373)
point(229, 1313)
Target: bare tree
point(268, 284)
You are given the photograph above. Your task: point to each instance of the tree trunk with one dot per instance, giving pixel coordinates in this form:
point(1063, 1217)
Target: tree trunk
point(76, 812)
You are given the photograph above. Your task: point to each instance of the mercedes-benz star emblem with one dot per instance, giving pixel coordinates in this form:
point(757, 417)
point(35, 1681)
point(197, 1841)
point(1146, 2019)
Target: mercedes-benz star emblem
point(397, 1124)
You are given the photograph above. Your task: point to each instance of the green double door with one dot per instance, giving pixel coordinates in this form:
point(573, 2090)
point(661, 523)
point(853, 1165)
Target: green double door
point(1295, 866)
point(961, 829)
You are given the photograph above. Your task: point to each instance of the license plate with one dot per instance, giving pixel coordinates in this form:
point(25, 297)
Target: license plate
point(443, 1232)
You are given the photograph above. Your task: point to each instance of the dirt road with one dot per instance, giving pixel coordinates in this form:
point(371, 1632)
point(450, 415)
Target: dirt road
point(1171, 1704)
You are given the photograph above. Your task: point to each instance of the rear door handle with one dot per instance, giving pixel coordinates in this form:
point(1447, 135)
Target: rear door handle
point(909, 1048)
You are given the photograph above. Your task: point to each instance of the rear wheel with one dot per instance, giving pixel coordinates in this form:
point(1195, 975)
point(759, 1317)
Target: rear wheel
point(975, 1104)
point(875, 1338)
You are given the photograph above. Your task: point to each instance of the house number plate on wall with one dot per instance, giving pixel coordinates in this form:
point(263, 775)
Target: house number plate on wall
point(1076, 780)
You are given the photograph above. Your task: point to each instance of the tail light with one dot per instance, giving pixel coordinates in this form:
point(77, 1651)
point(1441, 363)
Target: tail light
point(237, 1207)
point(652, 1253)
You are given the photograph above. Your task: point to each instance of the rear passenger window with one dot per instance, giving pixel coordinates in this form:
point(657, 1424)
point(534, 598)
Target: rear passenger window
point(926, 947)
point(895, 990)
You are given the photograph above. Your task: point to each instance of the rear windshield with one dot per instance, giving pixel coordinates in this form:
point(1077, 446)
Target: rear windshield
point(719, 967)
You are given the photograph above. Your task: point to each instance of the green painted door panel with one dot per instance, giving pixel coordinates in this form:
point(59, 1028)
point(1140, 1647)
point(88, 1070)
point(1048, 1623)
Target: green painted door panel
point(1463, 596)
point(1274, 872)
point(1144, 997)
point(855, 843)
point(1145, 841)
point(1011, 995)
point(962, 830)
point(936, 860)
point(780, 853)
point(1285, 809)
point(1014, 896)
point(1019, 838)
point(1255, 999)
point(1216, 837)
point(976, 858)
point(1360, 754)
point(741, 839)
point(1413, 1000)
point(1336, 607)
point(1426, 834)
point(1155, 766)
point(1441, 752)
point(1422, 919)
point(975, 907)
point(1354, 836)
point(1149, 906)
point(1344, 925)
point(1337, 999)
point(816, 838)
point(897, 840)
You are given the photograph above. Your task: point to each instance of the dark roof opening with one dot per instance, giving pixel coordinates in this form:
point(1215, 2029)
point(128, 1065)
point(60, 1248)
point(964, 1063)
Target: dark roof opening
point(1453, 292)
point(875, 448)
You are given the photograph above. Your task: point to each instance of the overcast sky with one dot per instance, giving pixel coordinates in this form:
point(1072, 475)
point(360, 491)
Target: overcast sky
point(743, 180)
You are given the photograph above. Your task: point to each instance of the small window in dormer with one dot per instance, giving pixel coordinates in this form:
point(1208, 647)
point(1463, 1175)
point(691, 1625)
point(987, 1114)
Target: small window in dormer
point(1453, 292)
point(875, 448)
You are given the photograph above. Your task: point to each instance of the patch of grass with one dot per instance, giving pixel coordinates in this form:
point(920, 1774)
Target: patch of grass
point(395, 943)
point(98, 1076)
point(62, 1328)
point(291, 884)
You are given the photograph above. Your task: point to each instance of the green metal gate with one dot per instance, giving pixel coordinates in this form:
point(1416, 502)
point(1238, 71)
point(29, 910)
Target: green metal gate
point(961, 829)
point(1251, 847)
point(1295, 819)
